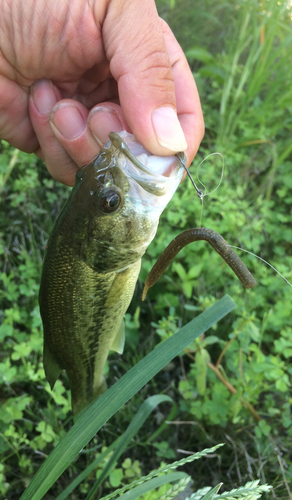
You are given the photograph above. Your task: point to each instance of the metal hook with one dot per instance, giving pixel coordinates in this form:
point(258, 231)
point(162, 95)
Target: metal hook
point(200, 193)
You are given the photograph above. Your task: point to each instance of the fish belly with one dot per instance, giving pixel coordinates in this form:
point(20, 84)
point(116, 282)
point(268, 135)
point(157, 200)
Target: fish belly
point(82, 312)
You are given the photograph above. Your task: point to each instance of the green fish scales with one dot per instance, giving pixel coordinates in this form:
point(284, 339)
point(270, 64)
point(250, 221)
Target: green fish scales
point(93, 260)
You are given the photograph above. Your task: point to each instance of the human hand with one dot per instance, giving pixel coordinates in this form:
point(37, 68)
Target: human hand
point(92, 68)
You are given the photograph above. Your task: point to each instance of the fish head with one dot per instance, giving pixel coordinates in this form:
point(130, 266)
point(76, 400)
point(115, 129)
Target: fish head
point(122, 193)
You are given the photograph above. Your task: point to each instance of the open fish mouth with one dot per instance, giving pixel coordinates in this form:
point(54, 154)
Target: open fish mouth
point(157, 175)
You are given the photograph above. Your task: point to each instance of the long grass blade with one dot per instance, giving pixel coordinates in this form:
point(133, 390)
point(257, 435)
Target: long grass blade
point(118, 446)
point(153, 484)
point(143, 413)
point(212, 493)
point(87, 471)
point(165, 470)
point(100, 411)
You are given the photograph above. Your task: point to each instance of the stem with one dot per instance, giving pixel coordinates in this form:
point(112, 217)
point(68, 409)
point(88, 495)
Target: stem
point(223, 380)
point(232, 389)
point(227, 384)
point(252, 410)
point(225, 349)
point(240, 363)
point(11, 166)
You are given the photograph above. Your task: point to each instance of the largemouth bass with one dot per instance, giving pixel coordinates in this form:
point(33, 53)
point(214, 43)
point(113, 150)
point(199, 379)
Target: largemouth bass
point(93, 259)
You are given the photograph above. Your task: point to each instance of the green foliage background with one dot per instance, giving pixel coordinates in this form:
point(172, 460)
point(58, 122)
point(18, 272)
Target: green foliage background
point(231, 385)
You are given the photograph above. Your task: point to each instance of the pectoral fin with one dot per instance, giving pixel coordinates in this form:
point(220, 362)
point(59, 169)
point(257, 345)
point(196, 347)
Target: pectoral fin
point(52, 369)
point(119, 340)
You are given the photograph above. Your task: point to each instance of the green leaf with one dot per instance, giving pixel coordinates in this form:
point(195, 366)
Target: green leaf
point(118, 447)
point(116, 477)
point(5, 331)
point(87, 471)
point(163, 450)
point(199, 54)
point(211, 339)
point(212, 493)
point(165, 469)
point(250, 491)
point(281, 386)
point(201, 372)
point(100, 411)
point(143, 413)
point(152, 485)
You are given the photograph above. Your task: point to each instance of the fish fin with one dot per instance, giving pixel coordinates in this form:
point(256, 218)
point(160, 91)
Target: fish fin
point(51, 367)
point(119, 340)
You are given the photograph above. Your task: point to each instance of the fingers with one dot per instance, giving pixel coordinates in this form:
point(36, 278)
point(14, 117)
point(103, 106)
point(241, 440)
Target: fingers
point(69, 136)
point(153, 77)
point(139, 62)
point(147, 89)
point(44, 95)
point(105, 118)
point(15, 124)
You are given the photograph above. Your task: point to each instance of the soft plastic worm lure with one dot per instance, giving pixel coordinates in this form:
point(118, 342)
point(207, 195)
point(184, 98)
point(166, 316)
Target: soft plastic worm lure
point(216, 241)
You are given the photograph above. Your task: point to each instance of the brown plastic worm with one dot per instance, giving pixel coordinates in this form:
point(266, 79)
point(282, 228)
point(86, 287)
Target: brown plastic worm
point(216, 241)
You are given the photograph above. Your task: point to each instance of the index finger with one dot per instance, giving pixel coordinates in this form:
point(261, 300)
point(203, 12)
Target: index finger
point(188, 104)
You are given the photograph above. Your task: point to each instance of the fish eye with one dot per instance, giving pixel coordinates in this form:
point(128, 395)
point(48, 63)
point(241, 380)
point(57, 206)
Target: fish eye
point(110, 201)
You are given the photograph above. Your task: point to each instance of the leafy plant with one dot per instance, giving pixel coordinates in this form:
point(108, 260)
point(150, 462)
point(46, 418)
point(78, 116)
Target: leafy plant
point(233, 384)
point(88, 423)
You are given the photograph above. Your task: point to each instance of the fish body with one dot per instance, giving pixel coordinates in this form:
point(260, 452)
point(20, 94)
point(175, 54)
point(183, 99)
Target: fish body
point(93, 260)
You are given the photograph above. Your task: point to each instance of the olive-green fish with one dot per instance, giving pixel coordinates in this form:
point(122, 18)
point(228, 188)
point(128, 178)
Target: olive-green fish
point(93, 259)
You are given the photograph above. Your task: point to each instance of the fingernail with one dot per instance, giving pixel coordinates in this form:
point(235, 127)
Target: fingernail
point(43, 95)
point(69, 122)
point(101, 121)
point(167, 128)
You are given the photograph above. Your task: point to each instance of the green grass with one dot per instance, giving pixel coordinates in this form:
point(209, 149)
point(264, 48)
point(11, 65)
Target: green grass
point(233, 383)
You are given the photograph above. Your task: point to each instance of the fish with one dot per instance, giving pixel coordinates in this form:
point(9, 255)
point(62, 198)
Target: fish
point(93, 258)
point(195, 234)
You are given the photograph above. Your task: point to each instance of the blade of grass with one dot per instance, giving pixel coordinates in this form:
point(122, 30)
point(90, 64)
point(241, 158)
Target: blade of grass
point(100, 411)
point(143, 413)
point(12, 163)
point(119, 445)
point(152, 485)
point(164, 425)
point(212, 493)
point(241, 45)
point(256, 69)
point(162, 471)
point(87, 471)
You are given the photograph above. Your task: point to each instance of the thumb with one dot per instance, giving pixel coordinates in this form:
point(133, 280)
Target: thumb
point(140, 63)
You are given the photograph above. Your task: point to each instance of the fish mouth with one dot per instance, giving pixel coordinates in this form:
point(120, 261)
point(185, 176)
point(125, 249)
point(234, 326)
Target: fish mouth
point(157, 175)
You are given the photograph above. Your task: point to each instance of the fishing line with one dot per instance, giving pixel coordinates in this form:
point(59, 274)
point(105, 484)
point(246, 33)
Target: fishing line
point(268, 264)
point(200, 193)
point(217, 187)
point(221, 177)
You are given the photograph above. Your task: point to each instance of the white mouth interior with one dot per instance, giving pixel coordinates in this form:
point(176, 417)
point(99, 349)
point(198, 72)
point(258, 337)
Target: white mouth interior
point(154, 183)
point(159, 165)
